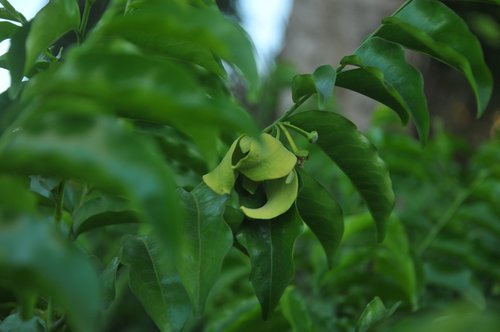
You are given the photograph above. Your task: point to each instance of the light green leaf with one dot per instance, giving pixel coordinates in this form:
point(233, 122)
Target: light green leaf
point(280, 195)
point(374, 313)
point(155, 283)
point(430, 27)
point(356, 157)
point(264, 158)
point(295, 310)
point(34, 257)
point(384, 66)
point(321, 213)
point(207, 240)
point(155, 22)
point(270, 245)
point(222, 178)
point(99, 150)
point(51, 23)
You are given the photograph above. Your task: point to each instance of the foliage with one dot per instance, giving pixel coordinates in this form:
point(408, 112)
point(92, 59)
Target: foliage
point(109, 184)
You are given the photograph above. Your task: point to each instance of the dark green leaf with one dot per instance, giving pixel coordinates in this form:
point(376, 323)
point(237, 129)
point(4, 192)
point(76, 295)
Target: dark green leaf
point(295, 310)
point(7, 29)
point(14, 323)
point(108, 281)
point(384, 66)
point(10, 13)
point(321, 82)
point(321, 213)
point(99, 150)
point(430, 27)
point(6, 15)
point(15, 196)
point(374, 313)
point(156, 22)
point(207, 240)
point(270, 245)
point(16, 57)
point(51, 23)
point(155, 283)
point(356, 157)
point(102, 210)
point(34, 257)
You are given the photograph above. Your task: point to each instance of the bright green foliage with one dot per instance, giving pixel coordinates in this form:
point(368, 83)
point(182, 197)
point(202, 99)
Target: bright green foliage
point(118, 179)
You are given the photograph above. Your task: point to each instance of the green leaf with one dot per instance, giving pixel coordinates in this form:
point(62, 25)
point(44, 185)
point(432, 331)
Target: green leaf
point(321, 213)
point(34, 257)
point(156, 22)
point(108, 281)
point(430, 27)
point(207, 240)
point(356, 157)
point(15, 196)
point(280, 195)
point(102, 210)
point(295, 310)
point(49, 24)
point(270, 245)
point(374, 313)
point(222, 178)
point(14, 323)
point(155, 283)
point(384, 67)
point(99, 150)
point(265, 158)
point(7, 29)
point(16, 57)
point(10, 13)
point(321, 82)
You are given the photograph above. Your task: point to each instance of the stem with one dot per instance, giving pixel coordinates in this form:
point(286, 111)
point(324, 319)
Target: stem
point(288, 138)
point(80, 35)
point(287, 113)
point(297, 129)
point(27, 300)
point(59, 202)
point(449, 214)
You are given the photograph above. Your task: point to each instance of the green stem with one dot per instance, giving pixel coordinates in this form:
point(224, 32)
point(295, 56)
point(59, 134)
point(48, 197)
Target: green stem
point(449, 214)
point(288, 138)
point(287, 113)
point(27, 301)
point(59, 202)
point(80, 35)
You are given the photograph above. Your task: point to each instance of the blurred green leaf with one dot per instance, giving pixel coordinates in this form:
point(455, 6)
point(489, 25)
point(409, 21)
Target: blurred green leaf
point(34, 257)
point(321, 213)
point(48, 25)
point(108, 282)
point(207, 240)
point(321, 81)
point(100, 150)
point(154, 23)
point(384, 67)
point(270, 245)
point(14, 323)
point(15, 196)
point(430, 27)
point(357, 158)
point(155, 283)
point(16, 57)
point(374, 314)
point(294, 308)
point(7, 29)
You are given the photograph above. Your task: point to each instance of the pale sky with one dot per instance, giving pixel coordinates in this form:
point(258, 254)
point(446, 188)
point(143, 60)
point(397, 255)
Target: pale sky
point(266, 27)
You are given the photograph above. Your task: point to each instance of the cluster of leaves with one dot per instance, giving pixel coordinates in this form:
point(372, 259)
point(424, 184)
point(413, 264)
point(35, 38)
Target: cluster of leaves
point(120, 128)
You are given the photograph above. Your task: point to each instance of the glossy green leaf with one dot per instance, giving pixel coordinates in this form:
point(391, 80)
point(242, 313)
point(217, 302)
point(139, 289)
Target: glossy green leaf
point(374, 313)
point(384, 67)
point(51, 23)
point(280, 194)
point(151, 89)
point(430, 27)
point(102, 210)
point(34, 257)
point(356, 157)
point(99, 150)
point(321, 81)
point(16, 56)
point(221, 179)
point(7, 29)
point(265, 158)
point(14, 323)
point(154, 23)
point(154, 281)
point(294, 308)
point(207, 240)
point(270, 245)
point(321, 213)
